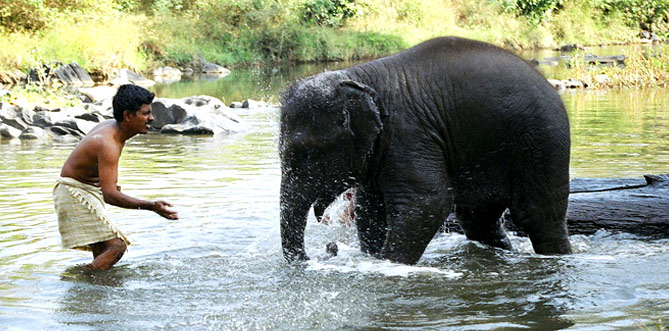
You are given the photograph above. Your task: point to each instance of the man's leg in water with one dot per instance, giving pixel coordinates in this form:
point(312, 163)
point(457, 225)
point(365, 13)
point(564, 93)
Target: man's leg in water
point(107, 253)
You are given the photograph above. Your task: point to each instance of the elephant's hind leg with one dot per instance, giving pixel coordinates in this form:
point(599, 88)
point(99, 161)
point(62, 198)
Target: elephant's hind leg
point(542, 216)
point(483, 224)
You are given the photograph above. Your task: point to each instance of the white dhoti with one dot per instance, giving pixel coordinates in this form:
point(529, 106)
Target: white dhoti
point(81, 215)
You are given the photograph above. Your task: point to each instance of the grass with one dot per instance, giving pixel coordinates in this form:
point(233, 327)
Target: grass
point(642, 69)
point(249, 32)
point(238, 33)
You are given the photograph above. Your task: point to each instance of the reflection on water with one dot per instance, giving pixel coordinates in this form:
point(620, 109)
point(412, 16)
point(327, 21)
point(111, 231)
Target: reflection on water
point(220, 266)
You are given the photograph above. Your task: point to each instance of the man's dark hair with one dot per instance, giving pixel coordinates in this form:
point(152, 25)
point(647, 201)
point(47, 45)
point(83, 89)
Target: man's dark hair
point(130, 97)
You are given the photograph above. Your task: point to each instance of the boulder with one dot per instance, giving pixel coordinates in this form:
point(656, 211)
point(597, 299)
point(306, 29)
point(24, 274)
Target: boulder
point(167, 75)
point(195, 115)
point(127, 76)
point(211, 68)
point(236, 104)
point(557, 84)
point(16, 117)
point(98, 93)
point(201, 66)
point(103, 107)
point(93, 116)
point(61, 131)
point(10, 132)
point(248, 103)
point(570, 48)
point(73, 74)
point(75, 119)
point(12, 77)
point(75, 124)
point(32, 133)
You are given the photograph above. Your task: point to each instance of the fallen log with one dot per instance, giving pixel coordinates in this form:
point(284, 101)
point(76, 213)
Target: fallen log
point(635, 206)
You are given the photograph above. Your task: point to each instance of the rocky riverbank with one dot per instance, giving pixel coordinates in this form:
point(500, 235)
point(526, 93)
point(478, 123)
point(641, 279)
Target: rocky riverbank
point(203, 115)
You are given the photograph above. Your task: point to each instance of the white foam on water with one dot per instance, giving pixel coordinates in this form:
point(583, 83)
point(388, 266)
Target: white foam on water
point(380, 267)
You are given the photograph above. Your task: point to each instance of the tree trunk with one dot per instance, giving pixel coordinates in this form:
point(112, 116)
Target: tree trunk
point(635, 206)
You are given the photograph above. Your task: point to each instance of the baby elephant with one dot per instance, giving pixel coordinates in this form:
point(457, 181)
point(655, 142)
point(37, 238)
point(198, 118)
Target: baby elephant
point(448, 122)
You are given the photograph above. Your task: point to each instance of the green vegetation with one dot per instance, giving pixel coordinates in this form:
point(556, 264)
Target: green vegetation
point(141, 34)
point(641, 69)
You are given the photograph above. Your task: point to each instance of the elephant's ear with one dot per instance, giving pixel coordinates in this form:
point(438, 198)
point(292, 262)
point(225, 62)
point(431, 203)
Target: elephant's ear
point(365, 110)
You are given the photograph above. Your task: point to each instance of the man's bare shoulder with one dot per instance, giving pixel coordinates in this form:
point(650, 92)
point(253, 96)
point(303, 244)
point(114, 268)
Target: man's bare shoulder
point(101, 135)
point(82, 164)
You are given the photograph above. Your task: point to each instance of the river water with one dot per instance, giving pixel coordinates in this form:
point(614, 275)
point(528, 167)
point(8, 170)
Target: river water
point(220, 266)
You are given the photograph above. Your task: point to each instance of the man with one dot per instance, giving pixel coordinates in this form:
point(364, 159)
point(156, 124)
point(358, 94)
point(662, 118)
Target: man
point(89, 179)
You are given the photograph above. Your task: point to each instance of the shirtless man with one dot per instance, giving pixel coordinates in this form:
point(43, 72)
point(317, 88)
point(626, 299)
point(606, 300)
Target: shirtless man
point(89, 179)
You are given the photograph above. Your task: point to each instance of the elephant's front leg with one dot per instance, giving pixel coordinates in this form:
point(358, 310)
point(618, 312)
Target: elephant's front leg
point(417, 203)
point(412, 225)
point(370, 219)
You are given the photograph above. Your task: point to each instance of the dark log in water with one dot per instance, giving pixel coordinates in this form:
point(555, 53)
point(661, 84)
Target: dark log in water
point(635, 206)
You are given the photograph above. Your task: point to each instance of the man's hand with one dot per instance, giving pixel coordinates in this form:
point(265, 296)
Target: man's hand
point(160, 207)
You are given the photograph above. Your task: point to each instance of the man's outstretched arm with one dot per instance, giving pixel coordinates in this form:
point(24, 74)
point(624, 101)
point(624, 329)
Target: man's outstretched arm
point(108, 158)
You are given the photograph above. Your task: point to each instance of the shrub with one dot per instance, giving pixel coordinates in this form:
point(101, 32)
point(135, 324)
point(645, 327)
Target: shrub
point(537, 10)
point(649, 15)
point(329, 12)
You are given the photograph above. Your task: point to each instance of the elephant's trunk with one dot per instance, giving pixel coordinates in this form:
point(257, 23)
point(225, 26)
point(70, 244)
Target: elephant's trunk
point(295, 203)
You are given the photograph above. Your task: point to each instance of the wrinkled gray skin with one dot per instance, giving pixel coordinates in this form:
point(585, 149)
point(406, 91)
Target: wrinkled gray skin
point(448, 122)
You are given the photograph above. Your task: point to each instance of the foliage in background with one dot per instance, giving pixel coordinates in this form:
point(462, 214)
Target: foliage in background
point(537, 10)
point(142, 34)
point(647, 15)
point(329, 12)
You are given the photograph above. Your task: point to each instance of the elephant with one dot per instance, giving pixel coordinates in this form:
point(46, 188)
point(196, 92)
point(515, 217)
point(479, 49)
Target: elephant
point(449, 123)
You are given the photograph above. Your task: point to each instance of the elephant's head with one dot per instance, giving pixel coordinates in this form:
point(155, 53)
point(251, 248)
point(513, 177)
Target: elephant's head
point(329, 126)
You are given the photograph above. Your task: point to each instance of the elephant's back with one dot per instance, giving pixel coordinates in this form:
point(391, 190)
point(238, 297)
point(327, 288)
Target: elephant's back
point(488, 106)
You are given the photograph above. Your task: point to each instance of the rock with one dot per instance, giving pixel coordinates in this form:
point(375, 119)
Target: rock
point(195, 115)
point(74, 118)
point(211, 68)
point(166, 72)
point(16, 117)
point(605, 60)
point(167, 75)
point(546, 62)
point(557, 84)
point(167, 111)
point(191, 125)
point(32, 133)
point(7, 131)
point(58, 130)
point(202, 66)
point(571, 48)
point(79, 125)
point(98, 93)
point(12, 77)
point(574, 83)
point(248, 103)
point(332, 249)
point(42, 119)
point(73, 74)
point(127, 76)
point(103, 107)
point(236, 104)
point(93, 116)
